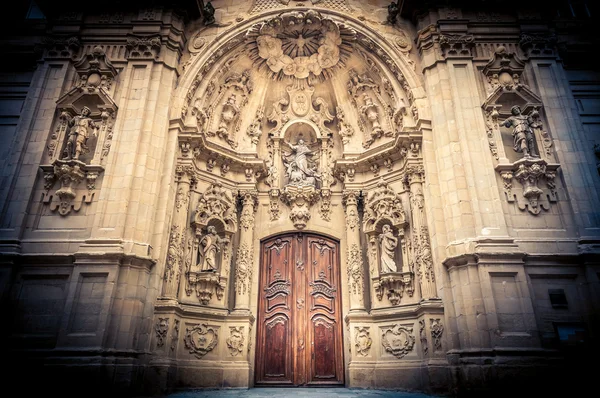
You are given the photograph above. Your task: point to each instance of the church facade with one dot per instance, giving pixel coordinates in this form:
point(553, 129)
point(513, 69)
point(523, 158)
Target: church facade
point(371, 194)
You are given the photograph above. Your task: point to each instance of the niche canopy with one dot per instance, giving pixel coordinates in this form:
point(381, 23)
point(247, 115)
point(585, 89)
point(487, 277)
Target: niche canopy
point(296, 44)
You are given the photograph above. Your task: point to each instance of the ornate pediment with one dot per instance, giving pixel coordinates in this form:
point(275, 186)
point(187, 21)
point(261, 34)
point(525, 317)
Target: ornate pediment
point(299, 104)
point(506, 87)
point(216, 204)
point(383, 205)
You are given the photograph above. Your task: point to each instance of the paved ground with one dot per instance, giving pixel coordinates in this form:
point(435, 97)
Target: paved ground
point(296, 392)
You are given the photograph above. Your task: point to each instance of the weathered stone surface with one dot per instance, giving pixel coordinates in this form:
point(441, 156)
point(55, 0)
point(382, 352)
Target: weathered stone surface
point(450, 151)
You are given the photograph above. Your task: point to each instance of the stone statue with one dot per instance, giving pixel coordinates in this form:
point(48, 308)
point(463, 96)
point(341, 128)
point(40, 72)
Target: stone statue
point(209, 247)
point(393, 11)
point(299, 171)
point(388, 246)
point(209, 14)
point(522, 132)
point(79, 133)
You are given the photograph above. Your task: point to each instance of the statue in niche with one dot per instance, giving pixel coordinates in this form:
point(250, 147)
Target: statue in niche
point(209, 247)
point(388, 245)
point(523, 126)
point(371, 111)
point(79, 134)
point(299, 168)
point(228, 114)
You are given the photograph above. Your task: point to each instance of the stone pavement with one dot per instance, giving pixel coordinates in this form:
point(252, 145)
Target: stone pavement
point(295, 392)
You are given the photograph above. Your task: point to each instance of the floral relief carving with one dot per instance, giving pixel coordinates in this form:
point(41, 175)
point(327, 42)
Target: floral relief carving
point(355, 272)
point(254, 130)
point(243, 270)
point(345, 130)
point(363, 341)
point(298, 44)
point(201, 339)
point(173, 254)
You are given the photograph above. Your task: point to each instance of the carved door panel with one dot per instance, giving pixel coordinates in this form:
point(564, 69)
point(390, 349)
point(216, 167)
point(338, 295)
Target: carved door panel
point(299, 335)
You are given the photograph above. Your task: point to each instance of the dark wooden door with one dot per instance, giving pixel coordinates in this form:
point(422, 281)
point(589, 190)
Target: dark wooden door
point(299, 335)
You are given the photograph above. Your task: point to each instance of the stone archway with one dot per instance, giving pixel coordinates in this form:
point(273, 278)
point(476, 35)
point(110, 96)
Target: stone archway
point(301, 138)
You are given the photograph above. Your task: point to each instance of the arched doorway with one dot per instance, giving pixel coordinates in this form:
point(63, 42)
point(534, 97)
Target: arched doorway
point(299, 333)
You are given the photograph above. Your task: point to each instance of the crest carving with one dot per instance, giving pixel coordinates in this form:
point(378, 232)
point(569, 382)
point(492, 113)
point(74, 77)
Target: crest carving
point(200, 339)
point(398, 340)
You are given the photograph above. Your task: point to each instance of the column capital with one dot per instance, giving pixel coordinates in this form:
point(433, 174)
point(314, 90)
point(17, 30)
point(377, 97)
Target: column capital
point(185, 173)
point(350, 197)
point(249, 197)
point(414, 174)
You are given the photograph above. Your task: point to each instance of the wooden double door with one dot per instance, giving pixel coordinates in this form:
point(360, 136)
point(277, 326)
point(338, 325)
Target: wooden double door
point(299, 328)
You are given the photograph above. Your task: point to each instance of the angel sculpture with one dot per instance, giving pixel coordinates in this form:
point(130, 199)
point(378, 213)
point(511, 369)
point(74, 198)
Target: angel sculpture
point(300, 169)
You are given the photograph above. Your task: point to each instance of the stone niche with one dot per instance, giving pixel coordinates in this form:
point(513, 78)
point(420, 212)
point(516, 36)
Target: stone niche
point(384, 225)
point(81, 139)
point(518, 139)
point(208, 260)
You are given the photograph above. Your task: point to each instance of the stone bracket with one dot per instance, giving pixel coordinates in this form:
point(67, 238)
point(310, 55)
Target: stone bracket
point(206, 284)
point(70, 173)
point(530, 172)
point(394, 285)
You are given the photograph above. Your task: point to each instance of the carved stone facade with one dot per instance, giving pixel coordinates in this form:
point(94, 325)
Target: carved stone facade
point(450, 152)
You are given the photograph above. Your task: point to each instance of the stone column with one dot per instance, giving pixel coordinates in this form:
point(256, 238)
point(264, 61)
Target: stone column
point(354, 262)
point(244, 260)
point(175, 260)
point(421, 245)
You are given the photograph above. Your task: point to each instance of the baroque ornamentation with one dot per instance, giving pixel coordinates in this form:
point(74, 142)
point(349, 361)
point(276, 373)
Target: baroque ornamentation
point(398, 340)
point(235, 341)
point(216, 203)
point(456, 45)
point(422, 255)
point(345, 130)
point(436, 333)
point(299, 44)
point(423, 336)
point(243, 270)
point(175, 334)
point(143, 47)
point(383, 203)
point(355, 272)
point(254, 130)
point(218, 115)
point(173, 253)
point(363, 341)
point(201, 339)
point(530, 172)
point(161, 328)
point(81, 140)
